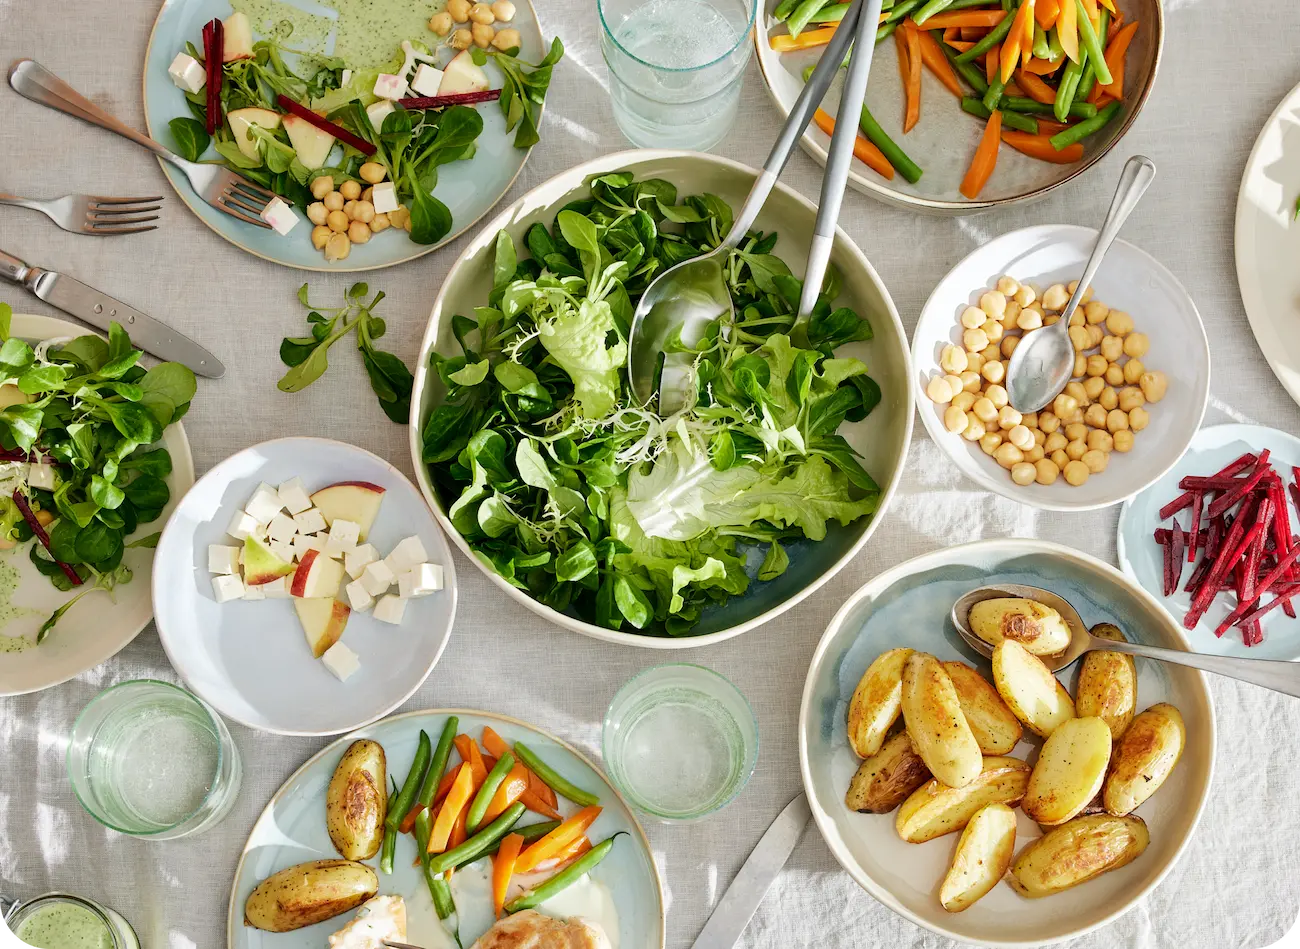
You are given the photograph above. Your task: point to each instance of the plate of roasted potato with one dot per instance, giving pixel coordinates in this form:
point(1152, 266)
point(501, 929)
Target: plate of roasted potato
point(992, 801)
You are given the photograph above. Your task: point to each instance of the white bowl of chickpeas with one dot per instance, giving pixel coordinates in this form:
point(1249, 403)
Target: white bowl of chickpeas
point(1139, 389)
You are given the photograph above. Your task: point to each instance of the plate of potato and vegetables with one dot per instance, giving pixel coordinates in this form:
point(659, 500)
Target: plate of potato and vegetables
point(936, 775)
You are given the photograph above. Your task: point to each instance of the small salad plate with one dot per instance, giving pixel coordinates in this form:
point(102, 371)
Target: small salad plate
point(1142, 558)
point(103, 624)
point(250, 659)
point(622, 893)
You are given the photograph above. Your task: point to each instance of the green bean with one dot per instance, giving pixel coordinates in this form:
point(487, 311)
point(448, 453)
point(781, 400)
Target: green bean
point(902, 10)
point(531, 832)
point(484, 796)
point(552, 778)
point(1012, 120)
point(803, 12)
point(930, 9)
point(438, 888)
point(993, 38)
point(993, 95)
point(398, 807)
point(564, 879)
point(1066, 89)
point(1080, 110)
point(885, 32)
point(433, 777)
point(897, 157)
point(971, 73)
point(1089, 78)
point(443, 902)
point(832, 13)
point(1092, 43)
point(1041, 50)
point(783, 10)
point(1087, 127)
point(1054, 46)
point(965, 5)
point(479, 844)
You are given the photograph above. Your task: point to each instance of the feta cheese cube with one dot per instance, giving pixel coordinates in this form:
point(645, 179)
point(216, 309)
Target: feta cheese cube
point(389, 609)
point(377, 578)
point(378, 111)
point(345, 532)
point(241, 525)
point(293, 496)
point(333, 549)
point(282, 550)
point(41, 476)
point(420, 580)
point(310, 521)
point(341, 661)
point(280, 216)
point(227, 587)
point(223, 559)
point(384, 197)
point(305, 542)
point(358, 596)
point(254, 592)
point(282, 529)
point(264, 504)
point(277, 589)
point(187, 73)
point(346, 77)
point(388, 86)
point(406, 555)
point(358, 558)
point(426, 81)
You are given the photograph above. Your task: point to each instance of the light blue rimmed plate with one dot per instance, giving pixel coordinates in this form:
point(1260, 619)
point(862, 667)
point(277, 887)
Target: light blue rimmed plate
point(908, 606)
point(469, 188)
point(292, 830)
point(1141, 558)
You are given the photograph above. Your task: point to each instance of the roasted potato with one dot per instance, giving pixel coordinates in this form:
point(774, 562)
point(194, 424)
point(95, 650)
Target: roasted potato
point(1039, 628)
point(1147, 753)
point(983, 854)
point(995, 729)
point(356, 801)
point(1076, 852)
point(884, 780)
point(934, 809)
point(1069, 771)
point(935, 721)
point(309, 893)
point(1031, 691)
point(1107, 684)
point(876, 702)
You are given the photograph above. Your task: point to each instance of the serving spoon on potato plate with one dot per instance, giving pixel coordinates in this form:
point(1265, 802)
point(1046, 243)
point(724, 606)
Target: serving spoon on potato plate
point(1276, 674)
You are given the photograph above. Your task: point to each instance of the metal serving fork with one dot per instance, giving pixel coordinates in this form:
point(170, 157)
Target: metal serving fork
point(215, 184)
point(92, 213)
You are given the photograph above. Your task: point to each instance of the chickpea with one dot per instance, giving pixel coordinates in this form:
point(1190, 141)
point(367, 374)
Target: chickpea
point(482, 14)
point(1076, 391)
point(1010, 315)
point(333, 201)
point(1119, 323)
point(974, 430)
point(1039, 437)
point(1007, 285)
point(321, 186)
point(1076, 319)
point(337, 221)
point(972, 318)
point(1095, 460)
point(1055, 442)
point(1046, 472)
point(1030, 420)
point(974, 361)
point(1092, 387)
point(1109, 399)
point(1079, 337)
point(997, 395)
point(350, 209)
point(1153, 385)
point(1075, 416)
point(1029, 320)
point(1133, 371)
point(481, 34)
point(1112, 347)
point(1034, 454)
point(984, 410)
point(1048, 421)
point(1075, 449)
point(1050, 320)
point(368, 194)
point(1009, 418)
point(399, 217)
point(1023, 473)
point(459, 10)
point(1138, 419)
point(1116, 421)
point(975, 340)
point(317, 212)
point(1026, 295)
point(461, 39)
point(1076, 431)
point(1076, 473)
point(1064, 405)
point(970, 381)
point(1100, 441)
point(1008, 455)
point(994, 304)
point(939, 391)
point(338, 247)
point(1059, 458)
point(1021, 437)
point(1136, 345)
point(1055, 297)
point(1095, 416)
point(507, 39)
point(964, 400)
point(440, 23)
point(991, 352)
point(358, 232)
point(1123, 441)
point(379, 223)
point(1095, 311)
point(1131, 398)
point(994, 371)
point(990, 442)
point(1008, 346)
point(351, 190)
point(1080, 365)
point(320, 234)
point(1074, 285)
point(954, 419)
point(1095, 334)
point(953, 359)
point(372, 172)
point(1097, 365)
point(993, 330)
point(364, 212)
point(503, 10)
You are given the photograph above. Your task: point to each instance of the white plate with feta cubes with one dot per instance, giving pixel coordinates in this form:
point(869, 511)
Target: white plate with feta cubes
point(303, 588)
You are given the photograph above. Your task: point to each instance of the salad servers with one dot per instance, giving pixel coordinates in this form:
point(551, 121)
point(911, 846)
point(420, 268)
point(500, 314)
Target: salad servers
point(215, 184)
point(92, 213)
point(1043, 363)
point(686, 297)
point(1276, 674)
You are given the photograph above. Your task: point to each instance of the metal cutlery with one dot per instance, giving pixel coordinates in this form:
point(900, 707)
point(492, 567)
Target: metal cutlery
point(99, 310)
point(215, 184)
point(92, 213)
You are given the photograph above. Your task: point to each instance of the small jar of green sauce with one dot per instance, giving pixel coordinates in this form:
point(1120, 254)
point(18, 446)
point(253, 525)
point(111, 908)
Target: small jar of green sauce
point(63, 921)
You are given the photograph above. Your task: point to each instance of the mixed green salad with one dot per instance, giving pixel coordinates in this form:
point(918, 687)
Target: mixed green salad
point(597, 505)
point(80, 468)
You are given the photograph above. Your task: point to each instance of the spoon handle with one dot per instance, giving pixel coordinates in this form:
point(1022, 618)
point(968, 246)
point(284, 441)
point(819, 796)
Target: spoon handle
point(801, 114)
point(1276, 674)
point(1138, 173)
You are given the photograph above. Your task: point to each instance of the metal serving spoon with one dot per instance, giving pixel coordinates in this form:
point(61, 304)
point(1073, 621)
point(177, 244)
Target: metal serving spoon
point(694, 292)
point(1278, 675)
point(1044, 361)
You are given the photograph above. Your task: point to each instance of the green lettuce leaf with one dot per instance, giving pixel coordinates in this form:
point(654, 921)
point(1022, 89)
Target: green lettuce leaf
point(812, 494)
point(671, 500)
point(578, 339)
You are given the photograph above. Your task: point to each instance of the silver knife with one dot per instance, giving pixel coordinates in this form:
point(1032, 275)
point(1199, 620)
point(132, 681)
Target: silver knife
point(737, 906)
point(90, 306)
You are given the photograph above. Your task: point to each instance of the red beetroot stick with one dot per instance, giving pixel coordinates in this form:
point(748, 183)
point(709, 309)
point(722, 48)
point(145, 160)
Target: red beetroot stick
point(459, 98)
point(1265, 585)
point(325, 125)
point(1284, 593)
point(1176, 560)
point(1247, 572)
point(1229, 498)
point(214, 46)
point(1229, 554)
point(1162, 535)
point(29, 516)
point(1183, 500)
point(1197, 504)
point(1167, 567)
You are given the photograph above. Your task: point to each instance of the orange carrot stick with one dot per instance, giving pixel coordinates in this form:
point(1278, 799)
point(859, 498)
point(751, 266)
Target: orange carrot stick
point(1090, 7)
point(912, 114)
point(543, 790)
point(511, 790)
point(1116, 53)
point(1035, 88)
point(1067, 29)
point(863, 150)
point(991, 64)
point(1050, 127)
point(459, 833)
point(950, 34)
point(534, 803)
point(408, 822)
point(938, 63)
point(1040, 146)
point(808, 39)
point(1045, 67)
point(503, 868)
point(558, 840)
point(985, 18)
point(960, 45)
point(973, 33)
point(493, 742)
point(1109, 5)
point(457, 800)
point(1009, 57)
point(1046, 12)
point(986, 158)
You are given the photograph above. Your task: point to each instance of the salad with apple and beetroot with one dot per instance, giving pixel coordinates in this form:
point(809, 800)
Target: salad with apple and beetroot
point(355, 149)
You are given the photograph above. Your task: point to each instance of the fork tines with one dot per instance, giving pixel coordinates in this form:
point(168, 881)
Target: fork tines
point(245, 200)
point(106, 215)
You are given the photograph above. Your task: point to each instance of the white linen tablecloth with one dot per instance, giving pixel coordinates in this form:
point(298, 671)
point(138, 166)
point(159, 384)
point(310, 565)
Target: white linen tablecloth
point(1225, 67)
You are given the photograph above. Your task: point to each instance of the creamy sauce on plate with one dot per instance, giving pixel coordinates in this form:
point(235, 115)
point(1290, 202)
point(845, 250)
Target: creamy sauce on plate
point(8, 611)
point(366, 34)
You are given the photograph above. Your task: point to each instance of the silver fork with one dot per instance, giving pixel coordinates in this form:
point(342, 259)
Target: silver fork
point(91, 213)
point(215, 184)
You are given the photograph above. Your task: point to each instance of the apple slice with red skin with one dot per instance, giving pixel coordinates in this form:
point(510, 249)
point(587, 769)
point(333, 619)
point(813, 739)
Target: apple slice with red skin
point(316, 576)
point(356, 501)
point(238, 39)
point(261, 565)
point(323, 620)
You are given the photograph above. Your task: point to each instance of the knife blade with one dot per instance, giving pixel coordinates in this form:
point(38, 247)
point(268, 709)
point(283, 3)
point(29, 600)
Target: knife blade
point(737, 906)
point(99, 310)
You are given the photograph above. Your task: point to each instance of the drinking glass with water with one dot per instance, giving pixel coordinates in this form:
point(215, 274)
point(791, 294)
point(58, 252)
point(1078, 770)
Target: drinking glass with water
point(675, 67)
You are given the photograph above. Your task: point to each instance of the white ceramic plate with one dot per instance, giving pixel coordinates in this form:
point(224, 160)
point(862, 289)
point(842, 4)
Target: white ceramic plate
point(1129, 280)
point(292, 830)
point(1267, 241)
point(881, 438)
point(1142, 559)
point(908, 606)
point(97, 627)
point(250, 660)
point(468, 188)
